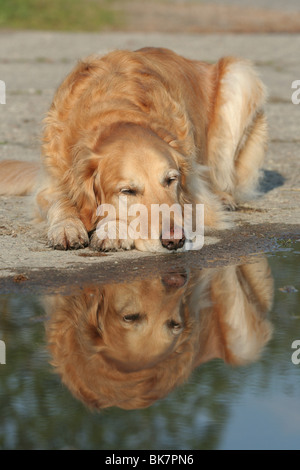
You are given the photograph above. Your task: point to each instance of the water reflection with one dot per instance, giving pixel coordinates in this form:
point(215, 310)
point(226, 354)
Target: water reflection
point(128, 345)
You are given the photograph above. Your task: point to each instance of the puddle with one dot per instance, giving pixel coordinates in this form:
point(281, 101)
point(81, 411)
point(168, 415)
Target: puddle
point(189, 359)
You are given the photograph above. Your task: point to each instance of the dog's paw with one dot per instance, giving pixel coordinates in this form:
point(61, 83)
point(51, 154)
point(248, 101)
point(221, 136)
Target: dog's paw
point(69, 234)
point(107, 244)
point(228, 201)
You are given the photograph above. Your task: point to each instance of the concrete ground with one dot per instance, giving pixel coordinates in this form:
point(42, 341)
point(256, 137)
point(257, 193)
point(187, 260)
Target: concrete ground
point(32, 66)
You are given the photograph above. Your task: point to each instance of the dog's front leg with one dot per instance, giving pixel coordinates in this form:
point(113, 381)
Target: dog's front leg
point(65, 228)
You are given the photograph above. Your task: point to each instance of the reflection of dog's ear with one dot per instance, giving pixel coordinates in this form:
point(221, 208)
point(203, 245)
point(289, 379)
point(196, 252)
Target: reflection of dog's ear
point(235, 327)
point(73, 332)
point(90, 324)
point(82, 316)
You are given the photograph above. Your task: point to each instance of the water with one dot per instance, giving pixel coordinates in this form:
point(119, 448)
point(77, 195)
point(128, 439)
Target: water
point(193, 360)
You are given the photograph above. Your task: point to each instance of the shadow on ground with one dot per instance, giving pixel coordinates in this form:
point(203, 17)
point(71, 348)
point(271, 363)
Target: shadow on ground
point(270, 180)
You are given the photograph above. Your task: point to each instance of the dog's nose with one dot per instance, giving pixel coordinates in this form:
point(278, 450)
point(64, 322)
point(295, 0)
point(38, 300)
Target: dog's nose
point(172, 243)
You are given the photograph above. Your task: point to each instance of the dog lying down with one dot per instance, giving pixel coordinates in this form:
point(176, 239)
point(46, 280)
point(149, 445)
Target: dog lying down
point(130, 344)
point(152, 128)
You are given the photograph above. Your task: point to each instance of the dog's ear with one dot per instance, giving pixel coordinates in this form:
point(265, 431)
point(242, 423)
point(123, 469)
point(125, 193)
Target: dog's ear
point(86, 196)
point(237, 130)
point(182, 137)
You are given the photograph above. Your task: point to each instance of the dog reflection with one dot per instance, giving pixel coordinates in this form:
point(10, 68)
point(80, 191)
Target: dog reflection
point(129, 344)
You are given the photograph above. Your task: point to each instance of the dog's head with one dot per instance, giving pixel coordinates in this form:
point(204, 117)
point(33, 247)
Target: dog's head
point(135, 184)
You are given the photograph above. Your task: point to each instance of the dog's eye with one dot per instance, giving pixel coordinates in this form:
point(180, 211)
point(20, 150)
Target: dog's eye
point(170, 179)
point(128, 191)
point(175, 327)
point(131, 317)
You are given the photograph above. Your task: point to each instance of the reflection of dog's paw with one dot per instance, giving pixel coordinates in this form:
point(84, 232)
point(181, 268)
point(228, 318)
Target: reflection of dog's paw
point(68, 234)
point(107, 244)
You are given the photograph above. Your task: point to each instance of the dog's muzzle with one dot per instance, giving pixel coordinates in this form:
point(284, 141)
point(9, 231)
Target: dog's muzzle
point(171, 241)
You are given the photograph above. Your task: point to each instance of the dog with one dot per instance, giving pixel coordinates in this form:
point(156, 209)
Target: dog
point(151, 126)
point(130, 344)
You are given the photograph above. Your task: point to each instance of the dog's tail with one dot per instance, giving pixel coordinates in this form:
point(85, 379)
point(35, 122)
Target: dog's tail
point(18, 178)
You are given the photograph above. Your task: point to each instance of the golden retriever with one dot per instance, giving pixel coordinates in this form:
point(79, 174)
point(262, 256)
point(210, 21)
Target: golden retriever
point(128, 345)
point(152, 126)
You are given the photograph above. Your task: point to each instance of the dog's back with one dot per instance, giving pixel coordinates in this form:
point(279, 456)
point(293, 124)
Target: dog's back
point(18, 178)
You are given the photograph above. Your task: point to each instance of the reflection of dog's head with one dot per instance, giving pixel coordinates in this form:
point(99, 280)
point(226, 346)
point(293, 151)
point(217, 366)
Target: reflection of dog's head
point(138, 331)
point(128, 345)
point(116, 346)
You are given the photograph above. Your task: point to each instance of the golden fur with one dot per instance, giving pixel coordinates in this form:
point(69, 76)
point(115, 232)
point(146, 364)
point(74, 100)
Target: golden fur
point(157, 125)
point(128, 345)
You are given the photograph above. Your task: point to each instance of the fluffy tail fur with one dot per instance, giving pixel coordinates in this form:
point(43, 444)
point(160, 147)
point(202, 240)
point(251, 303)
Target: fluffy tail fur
point(18, 178)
